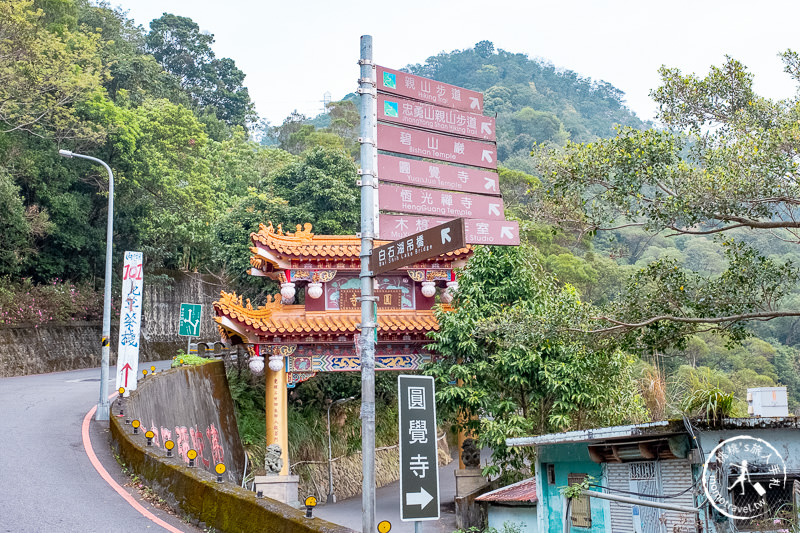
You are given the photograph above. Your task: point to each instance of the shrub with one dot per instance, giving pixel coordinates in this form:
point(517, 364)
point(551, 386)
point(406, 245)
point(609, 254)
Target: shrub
point(23, 302)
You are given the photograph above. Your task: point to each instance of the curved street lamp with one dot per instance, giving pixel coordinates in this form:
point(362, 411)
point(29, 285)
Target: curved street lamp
point(331, 497)
point(103, 405)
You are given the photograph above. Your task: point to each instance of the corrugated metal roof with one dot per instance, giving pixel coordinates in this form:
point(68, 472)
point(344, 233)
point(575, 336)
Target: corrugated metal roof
point(588, 434)
point(523, 491)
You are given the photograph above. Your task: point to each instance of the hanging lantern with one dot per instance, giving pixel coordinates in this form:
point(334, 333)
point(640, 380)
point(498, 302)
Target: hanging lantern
point(428, 288)
point(314, 290)
point(275, 363)
point(287, 292)
point(256, 365)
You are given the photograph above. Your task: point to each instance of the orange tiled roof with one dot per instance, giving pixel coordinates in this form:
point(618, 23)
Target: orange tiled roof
point(275, 318)
point(303, 243)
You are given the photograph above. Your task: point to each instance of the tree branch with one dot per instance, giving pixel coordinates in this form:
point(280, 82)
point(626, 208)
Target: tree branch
point(624, 326)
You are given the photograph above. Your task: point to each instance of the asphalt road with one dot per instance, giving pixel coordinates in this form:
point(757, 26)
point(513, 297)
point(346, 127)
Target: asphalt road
point(47, 483)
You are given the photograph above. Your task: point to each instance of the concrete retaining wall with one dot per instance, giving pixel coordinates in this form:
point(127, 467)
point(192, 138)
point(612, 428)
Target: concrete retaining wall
point(36, 349)
point(224, 506)
point(192, 406)
point(198, 392)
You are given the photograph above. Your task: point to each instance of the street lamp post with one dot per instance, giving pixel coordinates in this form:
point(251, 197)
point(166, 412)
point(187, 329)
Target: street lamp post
point(103, 406)
point(331, 497)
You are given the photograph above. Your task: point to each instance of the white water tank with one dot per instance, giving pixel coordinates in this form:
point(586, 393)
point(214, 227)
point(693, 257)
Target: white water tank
point(767, 401)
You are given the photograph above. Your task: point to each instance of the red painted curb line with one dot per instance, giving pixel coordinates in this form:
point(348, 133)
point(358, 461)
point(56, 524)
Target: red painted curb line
point(87, 445)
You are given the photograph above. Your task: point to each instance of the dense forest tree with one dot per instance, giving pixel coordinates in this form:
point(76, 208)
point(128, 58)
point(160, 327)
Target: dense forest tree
point(504, 368)
point(168, 116)
point(728, 163)
point(213, 84)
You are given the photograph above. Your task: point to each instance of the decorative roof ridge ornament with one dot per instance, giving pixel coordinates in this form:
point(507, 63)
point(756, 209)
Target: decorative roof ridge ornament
point(303, 233)
point(265, 234)
point(231, 300)
point(270, 229)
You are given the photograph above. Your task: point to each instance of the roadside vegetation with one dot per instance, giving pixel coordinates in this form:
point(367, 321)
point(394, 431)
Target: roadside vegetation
point(658, 271)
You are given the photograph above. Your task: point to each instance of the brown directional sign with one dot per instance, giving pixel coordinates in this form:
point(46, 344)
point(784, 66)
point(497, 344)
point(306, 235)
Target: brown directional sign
point(437, 176)
point(445, 204)
point(491, 232)
point(421, 143)
point(434, 92)
point(418, 247)
point(434, 117)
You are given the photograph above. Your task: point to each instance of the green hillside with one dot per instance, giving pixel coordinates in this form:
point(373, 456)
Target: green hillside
point(176, 124)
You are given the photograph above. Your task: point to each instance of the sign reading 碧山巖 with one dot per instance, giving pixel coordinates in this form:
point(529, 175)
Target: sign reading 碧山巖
point(419, 472)
point(407, 141)
point(189, 322)
point(130, 319)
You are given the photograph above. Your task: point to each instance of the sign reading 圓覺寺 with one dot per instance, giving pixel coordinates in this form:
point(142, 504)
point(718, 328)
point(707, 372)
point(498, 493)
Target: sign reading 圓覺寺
point(419, 465)
point(349, 299)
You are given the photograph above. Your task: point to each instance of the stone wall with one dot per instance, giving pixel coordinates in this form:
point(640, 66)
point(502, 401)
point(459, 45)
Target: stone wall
point(36, 349)
point(347, 472)
point(162, 302)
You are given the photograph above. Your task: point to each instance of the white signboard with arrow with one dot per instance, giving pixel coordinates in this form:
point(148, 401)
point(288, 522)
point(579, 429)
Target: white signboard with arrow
point(419, 466)
point(130, 319)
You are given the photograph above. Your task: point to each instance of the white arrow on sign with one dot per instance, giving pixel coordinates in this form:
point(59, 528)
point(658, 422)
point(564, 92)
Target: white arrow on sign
point(494, 209)
point(486, 127)
point(446, 235)
point(490, 185)
point(474, 103)
point(487, 156)
point(421, 498)
point(505, 231)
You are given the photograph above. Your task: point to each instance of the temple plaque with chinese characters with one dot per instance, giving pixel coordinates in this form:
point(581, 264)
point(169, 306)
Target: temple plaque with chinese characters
point(387, 299)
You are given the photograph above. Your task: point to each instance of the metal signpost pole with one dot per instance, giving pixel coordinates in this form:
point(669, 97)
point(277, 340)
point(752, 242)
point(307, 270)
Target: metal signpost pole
point(103, 405)
point(368, 111)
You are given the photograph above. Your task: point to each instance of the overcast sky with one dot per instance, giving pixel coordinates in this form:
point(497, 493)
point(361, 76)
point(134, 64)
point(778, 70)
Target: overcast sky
point(293, 51)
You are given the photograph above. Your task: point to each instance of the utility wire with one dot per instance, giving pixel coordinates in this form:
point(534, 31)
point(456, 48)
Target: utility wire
point(659, 496)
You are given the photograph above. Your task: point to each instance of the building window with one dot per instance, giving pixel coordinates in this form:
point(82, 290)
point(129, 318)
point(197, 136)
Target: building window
point(775, 497)
point(643, 471)
point(551, 474)
point(581, 511)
